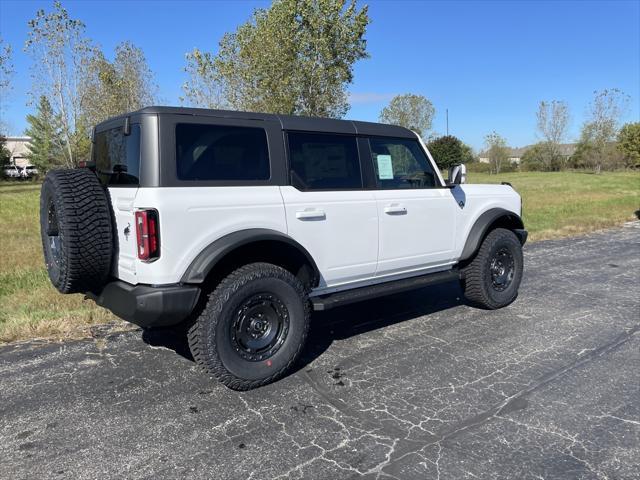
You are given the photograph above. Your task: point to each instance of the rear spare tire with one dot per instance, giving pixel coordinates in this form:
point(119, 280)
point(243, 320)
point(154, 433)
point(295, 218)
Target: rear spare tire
point(76, 230)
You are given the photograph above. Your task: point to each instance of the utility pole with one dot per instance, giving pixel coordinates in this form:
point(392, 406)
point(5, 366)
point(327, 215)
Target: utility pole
point(447, 122)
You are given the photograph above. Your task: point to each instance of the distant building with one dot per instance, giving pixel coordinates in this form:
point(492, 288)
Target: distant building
point(19, 149)
point(515, 154)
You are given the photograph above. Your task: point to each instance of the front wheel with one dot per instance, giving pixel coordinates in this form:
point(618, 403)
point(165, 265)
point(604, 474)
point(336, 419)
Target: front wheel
point(253, 327)
point(493, 277)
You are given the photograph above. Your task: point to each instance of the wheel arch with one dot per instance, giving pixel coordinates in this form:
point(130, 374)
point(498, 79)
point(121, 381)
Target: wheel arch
point(251, 245)
point(487, 221)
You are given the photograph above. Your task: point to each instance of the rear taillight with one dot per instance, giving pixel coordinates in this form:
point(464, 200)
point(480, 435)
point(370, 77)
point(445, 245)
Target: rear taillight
point(148, 235)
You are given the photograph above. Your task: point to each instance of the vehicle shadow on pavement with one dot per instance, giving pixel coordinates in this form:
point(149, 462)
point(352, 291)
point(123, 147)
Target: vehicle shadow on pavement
point(340, 323)
point(363, 317)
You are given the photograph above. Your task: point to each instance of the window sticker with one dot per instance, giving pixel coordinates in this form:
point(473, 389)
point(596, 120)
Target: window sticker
point(385, 167)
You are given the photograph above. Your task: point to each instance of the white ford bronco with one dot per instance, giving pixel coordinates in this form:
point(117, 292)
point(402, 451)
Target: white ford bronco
point(240, 224)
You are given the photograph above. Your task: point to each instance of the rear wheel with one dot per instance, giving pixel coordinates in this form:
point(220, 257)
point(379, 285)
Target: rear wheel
point(253, 327)
point(493, 277)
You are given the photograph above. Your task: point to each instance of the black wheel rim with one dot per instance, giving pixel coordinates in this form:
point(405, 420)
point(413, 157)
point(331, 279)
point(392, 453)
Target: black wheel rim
point(502, 268)
point(260, 326)
point(53, 233)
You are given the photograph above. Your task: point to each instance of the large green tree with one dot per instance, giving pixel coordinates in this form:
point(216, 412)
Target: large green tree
point(449, 150)
point(629, 143)
point(411, 111)
point(47, 144)
point(296, 57)
point(121, 86)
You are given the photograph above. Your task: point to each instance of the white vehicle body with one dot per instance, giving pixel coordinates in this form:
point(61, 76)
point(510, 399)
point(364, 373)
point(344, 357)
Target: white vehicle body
point(353, 237)
point(355, 242)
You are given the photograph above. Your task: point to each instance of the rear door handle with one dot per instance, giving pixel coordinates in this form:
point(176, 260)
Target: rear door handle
point(311, 214)
point(395, 209)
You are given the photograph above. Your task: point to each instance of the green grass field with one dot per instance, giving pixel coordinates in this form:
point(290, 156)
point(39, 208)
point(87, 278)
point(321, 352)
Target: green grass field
point(560, 204)
point(555, 205)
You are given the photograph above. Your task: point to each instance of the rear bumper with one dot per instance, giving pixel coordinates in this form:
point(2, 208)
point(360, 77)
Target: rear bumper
point(148, 306)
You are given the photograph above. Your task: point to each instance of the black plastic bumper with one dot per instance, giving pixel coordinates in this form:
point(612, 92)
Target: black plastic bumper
point(148, 306)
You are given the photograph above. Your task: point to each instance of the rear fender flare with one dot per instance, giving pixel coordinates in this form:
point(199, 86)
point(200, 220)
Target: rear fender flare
point(211, 255)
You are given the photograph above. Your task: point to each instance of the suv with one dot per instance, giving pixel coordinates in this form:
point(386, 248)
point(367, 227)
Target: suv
point(11, 171)
point(240, 224)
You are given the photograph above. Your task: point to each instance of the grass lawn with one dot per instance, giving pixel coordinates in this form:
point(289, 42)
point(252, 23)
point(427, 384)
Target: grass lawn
point(560, 204)
point(555, 205)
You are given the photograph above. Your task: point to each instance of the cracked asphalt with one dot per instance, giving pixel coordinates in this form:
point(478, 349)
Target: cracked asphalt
point(412, 386)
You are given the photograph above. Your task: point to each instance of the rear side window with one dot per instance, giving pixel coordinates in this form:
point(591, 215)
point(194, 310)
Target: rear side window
point(219, 152)
point(324, 162)
point(117, 157)
point(400, 163)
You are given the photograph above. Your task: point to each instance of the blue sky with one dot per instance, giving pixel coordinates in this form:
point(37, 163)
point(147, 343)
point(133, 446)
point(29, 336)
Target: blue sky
point(489, 63)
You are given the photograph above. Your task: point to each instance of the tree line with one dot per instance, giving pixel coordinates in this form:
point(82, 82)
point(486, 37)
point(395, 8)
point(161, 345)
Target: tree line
point(603, 143)
point(295, 57)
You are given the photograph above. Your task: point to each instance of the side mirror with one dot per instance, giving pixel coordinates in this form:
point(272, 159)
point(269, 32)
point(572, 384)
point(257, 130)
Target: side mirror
point(457, 174)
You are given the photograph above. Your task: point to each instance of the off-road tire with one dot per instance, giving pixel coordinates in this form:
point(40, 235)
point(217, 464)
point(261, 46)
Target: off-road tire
point(478, 283)
point(211, 338)
point(75, 213)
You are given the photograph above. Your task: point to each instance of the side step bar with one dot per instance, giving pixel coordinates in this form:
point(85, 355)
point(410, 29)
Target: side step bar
point(327, 302)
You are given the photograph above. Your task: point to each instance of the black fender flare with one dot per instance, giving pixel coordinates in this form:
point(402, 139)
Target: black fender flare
point(484, 222)
point(207, 259)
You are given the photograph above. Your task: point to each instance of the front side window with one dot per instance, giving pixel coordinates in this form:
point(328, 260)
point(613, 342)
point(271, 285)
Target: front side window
point(221, 152)
point(324, 161)
point(400, 163)
point(117, 157)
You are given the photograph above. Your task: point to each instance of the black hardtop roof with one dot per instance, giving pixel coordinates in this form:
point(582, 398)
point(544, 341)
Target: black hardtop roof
point(287, 122)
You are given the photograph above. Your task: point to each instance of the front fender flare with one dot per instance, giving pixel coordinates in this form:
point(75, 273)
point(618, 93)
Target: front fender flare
point(483, 224)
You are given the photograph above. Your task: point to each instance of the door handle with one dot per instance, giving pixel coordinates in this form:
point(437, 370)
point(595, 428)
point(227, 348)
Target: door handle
point(311, 214)
point(395, 209)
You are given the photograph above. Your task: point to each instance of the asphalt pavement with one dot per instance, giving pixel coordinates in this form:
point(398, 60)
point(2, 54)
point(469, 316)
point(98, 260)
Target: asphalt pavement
point(413, 386)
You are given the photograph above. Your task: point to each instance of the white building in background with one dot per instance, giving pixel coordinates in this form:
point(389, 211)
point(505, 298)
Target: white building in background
point(19, 149)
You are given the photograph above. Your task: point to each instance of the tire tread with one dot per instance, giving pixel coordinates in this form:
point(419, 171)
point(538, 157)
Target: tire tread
point(201, 334)
point(475, 285)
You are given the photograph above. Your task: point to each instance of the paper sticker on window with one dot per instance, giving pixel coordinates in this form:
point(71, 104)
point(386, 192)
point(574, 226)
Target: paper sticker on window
point(385, 167)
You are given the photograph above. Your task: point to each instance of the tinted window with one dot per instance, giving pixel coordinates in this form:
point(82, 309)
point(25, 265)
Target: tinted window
point(324, 162)
point(400, 163)
point(117, 157)
point(216, 152)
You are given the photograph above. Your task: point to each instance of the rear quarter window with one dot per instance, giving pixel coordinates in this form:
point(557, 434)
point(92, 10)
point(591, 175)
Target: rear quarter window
point(221, 153)
point(117, 157)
